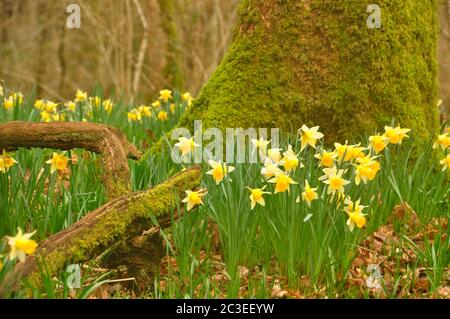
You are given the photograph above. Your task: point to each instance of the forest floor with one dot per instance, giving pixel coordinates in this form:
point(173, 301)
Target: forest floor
point(366, 219)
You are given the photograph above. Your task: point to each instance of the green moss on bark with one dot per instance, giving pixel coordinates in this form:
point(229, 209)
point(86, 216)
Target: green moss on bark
point(317, 63)
point(111, 223)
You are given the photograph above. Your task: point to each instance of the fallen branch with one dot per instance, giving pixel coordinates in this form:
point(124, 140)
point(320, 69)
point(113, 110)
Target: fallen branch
point(110, 142)
point(119, 220)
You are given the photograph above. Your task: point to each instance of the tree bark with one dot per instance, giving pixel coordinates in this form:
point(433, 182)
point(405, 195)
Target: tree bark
point(110, 142)
point(318, 63)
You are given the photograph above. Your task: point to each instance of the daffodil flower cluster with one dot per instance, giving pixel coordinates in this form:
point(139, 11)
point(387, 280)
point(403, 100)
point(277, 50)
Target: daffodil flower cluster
point(338, 166)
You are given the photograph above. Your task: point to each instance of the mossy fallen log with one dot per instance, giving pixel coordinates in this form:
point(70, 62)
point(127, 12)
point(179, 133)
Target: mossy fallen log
point(108, 141)
point(121, 219)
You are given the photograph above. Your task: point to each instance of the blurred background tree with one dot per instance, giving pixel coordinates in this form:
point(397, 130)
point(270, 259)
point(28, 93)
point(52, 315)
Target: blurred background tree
point(134, 47)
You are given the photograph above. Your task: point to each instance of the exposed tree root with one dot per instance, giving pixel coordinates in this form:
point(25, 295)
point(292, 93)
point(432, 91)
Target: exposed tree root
point(110, 142)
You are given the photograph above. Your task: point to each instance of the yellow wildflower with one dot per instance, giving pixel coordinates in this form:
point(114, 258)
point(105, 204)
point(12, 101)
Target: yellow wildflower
point(58, 162)
point(21, 245)
point(71, 105)
point(261, 145)
point(96, 101)
point(6, 162)
point(355, 215)
point(378, 143)
point(333, 178)
point(219, 171)
point(445, 163)
point(309, 136)
point(108, 106)
point(50, 106)
point(80, 96)
point(282, 183)
point(349, 152)
point(145, 111)
point(194, 198)
point(8, 103)
point(395, 135)
point(39, 104)
point(326, 158)
point(366, 169)
point(134, 115)
point(443, 141)
point(187, 97)
point(46, 117)
point(256, 196)
point(290, 160)
point(162, 116)
point(165, 95)
point(156, 104)
point(309, 194)
point(270, 169)
point(274, 154)
point(186, 145)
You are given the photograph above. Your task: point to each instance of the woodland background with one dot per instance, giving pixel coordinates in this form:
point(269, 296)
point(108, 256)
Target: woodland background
point(134, 47)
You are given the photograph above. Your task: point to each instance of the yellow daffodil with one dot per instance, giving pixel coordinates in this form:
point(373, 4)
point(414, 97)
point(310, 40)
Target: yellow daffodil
point(366, 169)
point(355, 215)
point(108, 106)
point(1, 90)
point(194, 198)
point(156, 104)
point(395, 135)
point(333, 178)
point(58, 162)
point(256, 196)
point(289, 161)
point(134, 115)
point(8, 103)
point(172, 108)
point(219, 171)
point(50, 107)
point(326, 158)
point(18, 97)
point(163, 116)
point(443, 141)
point(6, 162)
point(260, 145)
point(378, 143)
point(349, 152)
point(71, 106)
point(309, 194)
point(39, 104)
point(95, 101)
point(282, 183)
point(445, 163)
point(187, 97)
point(186, 145)
point(309, 136)
point(80, 96)
point(165, 95)
point(270, 168)
point(145, 111)
point(46, 117)
point(21, 245)
point(274, 154)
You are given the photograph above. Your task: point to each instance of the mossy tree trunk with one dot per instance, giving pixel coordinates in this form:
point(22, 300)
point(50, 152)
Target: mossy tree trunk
point(317, 63)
